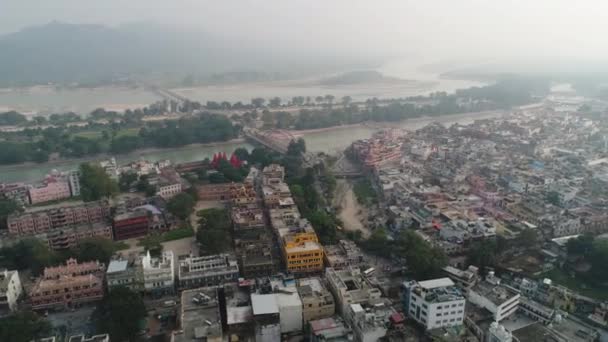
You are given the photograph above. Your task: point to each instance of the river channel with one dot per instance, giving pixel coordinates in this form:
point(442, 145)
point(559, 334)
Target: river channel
point(328, 141)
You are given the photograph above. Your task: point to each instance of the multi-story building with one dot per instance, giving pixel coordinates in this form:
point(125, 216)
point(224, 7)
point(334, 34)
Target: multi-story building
point(17, 192)
point(60, 239)
point(329, 330)
point(273, 174)
point(317, 301)
point(536, 311)
point(111, 167)
point(214, 192)
point(42, 220)
point(349, 286)
point(302, 252)
point(74, 182)
point(51, 189)
point(127, 273)
point(345, 253)
point(369, 322)
point(206, 271)
point(266, 317)
point(502, 301)
point(434, 303)
point(67, 286)
point(159, 273)
point(11, 291)
point(168, 187)
point(131, 224)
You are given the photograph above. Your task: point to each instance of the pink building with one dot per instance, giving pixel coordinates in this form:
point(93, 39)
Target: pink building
point(68, 286)
point(51, 189)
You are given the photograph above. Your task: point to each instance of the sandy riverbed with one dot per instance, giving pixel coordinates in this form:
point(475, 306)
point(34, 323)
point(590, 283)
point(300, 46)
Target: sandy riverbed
point(350, 211)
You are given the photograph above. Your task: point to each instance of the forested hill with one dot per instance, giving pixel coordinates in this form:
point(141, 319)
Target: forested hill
point(90, 54)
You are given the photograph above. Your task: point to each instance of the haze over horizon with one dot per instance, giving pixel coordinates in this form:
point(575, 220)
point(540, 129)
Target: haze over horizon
point(430, 31)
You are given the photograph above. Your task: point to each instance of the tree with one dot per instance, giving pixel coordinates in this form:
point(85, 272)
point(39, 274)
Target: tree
point(95, 183)
point(483, 254)
point(181, 205)
point(274, 102)
point(324, 226)
point(24, 326)
point(7, 207)
point(143, 185)
point(32, 254)
point(528, 237)
point(213, 233)
point(377, 242)
point(258, 102)
point(242, 153)
point(95, 249)
point(346, 100)
point(599, 259)
point(126, 181)
point(423, 260)
point(319, 99)
point(121, 313)
point(582, 245)
point(553, 198)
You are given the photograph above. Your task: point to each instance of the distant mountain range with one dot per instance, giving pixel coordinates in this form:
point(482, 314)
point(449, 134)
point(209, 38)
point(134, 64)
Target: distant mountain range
point(67, 53)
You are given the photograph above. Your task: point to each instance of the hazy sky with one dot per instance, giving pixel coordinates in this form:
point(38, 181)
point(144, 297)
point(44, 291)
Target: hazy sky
point(429, 28)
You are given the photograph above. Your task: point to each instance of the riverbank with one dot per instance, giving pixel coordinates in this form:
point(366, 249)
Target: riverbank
point(387, 124)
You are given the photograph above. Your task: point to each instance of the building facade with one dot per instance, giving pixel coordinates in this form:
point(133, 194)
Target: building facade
point(127, 273)
point(68, 286)
point(159, 273)
point(11, 291)
point(52, 189)
point(207, 271)
point(434, 303)
point(317, 301)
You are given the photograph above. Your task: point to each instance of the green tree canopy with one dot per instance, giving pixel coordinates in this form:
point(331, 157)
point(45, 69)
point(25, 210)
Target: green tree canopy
point(7, 207)
point(24, 326)
point(213, 233)
point(181, 205)
point(95, 183)
point(120, 314)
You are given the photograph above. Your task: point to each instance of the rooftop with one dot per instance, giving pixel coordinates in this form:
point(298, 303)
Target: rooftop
point(117, 266)
point(263, 304)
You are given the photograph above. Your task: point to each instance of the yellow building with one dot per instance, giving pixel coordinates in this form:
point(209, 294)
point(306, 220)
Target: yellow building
point(303, 252)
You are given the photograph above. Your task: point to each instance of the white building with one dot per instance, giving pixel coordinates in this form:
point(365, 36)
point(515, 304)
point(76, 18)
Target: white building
point(266, 317)
point(501, 301)
point(159, 274)
point(74, 182)
point(434, 303)
point(10, 290)
point(208, 270)
point(498, 333)
point(169, 189)
point(290, 305)
point(110, 167)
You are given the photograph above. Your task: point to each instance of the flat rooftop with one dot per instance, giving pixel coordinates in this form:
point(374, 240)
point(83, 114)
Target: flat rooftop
point(435, 283)
point(263, 304)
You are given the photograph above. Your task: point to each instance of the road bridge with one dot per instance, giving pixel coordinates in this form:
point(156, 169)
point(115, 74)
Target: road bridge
point(278, 141)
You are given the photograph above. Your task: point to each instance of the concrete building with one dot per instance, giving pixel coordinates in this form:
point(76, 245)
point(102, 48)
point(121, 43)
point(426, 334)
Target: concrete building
point(210, 270)
point(167, 189)
point(317, 301)
point(266, 317)
point(331, 329)
point(200, 318)
point(159, 273)
point(498, 333)
point(463, 278)
point(131, 224)
point(64, 215)
point(214, 192)
point(61, 239)
point(434, 303)
point(345, 253)
point(502, 301)
point(349, 286)
point(127, 273)
point(111, 167)
point(51, 189)
point(11, 291)
point(369, 322)
point(536, 311)
point(68, 286)
point(74, 182)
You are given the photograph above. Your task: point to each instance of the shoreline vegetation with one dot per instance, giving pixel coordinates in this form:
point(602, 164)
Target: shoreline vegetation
point(67, 137)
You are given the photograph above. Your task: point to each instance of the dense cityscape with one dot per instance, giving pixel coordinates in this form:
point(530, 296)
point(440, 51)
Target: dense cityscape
point(303, 171)
point(489, 231)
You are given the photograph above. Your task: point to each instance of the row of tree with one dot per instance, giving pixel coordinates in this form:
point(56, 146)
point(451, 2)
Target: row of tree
point(37, 145)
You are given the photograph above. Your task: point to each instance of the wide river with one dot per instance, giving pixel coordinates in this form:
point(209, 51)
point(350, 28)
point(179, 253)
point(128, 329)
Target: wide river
point(329, 141)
